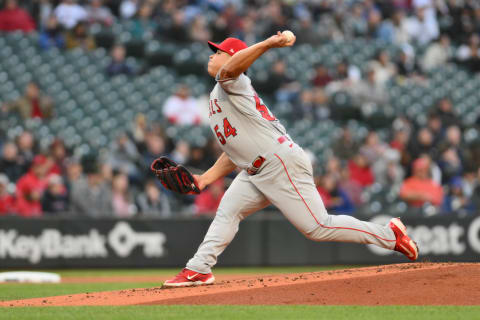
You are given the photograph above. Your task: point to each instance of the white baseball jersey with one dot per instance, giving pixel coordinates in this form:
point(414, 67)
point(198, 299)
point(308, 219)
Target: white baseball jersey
point(244, 126)
point(246, 129)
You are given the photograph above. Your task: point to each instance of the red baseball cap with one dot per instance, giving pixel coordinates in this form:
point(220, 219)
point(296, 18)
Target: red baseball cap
point(229, 45)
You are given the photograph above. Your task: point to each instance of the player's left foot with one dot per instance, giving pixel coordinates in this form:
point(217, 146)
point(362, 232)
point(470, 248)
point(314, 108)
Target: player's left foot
point(404, 243)
point(188, 278)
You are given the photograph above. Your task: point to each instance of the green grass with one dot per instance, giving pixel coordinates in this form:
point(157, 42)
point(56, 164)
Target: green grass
point(13, 291)
point(245, 312)
point(171, 271)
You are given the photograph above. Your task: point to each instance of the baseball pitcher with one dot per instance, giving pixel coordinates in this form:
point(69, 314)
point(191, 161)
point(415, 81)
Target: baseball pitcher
point(275, 169)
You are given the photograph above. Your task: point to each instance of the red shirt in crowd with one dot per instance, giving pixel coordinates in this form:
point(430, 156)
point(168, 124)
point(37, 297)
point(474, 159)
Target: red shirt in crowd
point(29, 191)
point(325, 195)
point(16, 19)
point(36, 111)
point(7, 204)
point(427, 187)
point(207, 202)
point(362, 175)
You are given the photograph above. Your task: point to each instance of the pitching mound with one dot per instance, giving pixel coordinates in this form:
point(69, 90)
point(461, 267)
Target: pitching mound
point(401, 284)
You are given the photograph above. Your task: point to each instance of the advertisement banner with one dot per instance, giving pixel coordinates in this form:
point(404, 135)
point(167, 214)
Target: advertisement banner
point(77, 243)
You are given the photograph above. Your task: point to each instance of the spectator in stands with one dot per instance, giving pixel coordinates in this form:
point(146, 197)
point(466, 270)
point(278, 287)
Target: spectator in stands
point(98, 13)
point(78, 37)
point(400, 140)
point(58, 155)
point(447, 114)
point(246, 31)
point(345, 147)
point(199, 30)
point(181, 153)
point(321, 110)
point(143, 24)
point(176, 31)
point(153, 202)
point(345, 76)
point(13, 18)
point(32, 104)
point(90, 195)
point(421, 28)
point(468, 55)
point(118, 64)
point(69, 14)
point(55, 198)
point(355, 24)
point(437, 54)
point(434, 124)
point(322, 76)
point(351, 187)
point(304, 105)
point(420, 189)
point(395, 30)
point(26, 149)
point(451, 164)
point(423, 144)
point(369, 91)
point(388, 171)
point(306, 32)
point(138, 131)
point(407, 65)
point(155, 147)
point(334, 198)
point(122, 205)
point(206, 203)
point(456, 201)
point(124, 156)
point(73, 174)
point(182, 108)
point(360, 170)
point(128, 9)
point(383, 68)
point(332, 167)
point(9, 163)
point(345, 71)
point(476, 192)
point(52, 35)
point(278, 82)
point(373, 147)
point(219, 29)
point(284, 87)
point(7, 201)
point(30, 188)
point(198, 159)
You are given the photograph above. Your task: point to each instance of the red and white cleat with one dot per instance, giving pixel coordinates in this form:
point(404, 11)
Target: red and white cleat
point(404, 243)
point(188, 278)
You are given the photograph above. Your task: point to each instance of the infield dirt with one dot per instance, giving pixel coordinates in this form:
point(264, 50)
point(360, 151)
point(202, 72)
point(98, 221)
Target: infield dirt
point(400, 284)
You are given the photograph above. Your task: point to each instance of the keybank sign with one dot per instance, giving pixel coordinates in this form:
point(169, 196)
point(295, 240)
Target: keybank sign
point(53, 244)
point(454, 238)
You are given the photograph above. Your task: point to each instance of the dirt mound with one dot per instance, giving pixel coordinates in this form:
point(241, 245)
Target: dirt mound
point(402, 284)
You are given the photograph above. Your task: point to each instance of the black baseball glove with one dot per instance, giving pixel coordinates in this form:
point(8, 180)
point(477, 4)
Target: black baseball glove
point(174, 177)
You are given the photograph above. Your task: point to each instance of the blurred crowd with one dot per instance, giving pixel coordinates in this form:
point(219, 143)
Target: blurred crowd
point(114, 183)
point(427, 166)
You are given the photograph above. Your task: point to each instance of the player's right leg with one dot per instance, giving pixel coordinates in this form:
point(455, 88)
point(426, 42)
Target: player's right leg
point(241, 199)
point(287, 182)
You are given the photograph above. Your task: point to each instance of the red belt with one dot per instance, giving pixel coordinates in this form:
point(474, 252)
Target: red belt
point(257, 163)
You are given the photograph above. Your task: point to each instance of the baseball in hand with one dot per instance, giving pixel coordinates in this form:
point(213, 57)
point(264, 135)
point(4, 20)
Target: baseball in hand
point(289, 35)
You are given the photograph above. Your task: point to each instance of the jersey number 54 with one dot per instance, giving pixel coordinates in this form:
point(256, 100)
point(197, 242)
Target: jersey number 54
point(228, 131)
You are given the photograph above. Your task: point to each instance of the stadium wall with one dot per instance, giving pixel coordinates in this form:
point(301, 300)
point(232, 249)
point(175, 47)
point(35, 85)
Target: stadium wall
point(76, 243)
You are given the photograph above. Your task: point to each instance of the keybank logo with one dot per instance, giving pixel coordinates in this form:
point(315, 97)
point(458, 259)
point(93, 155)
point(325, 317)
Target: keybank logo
point(436, 239)
point(53, 244)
